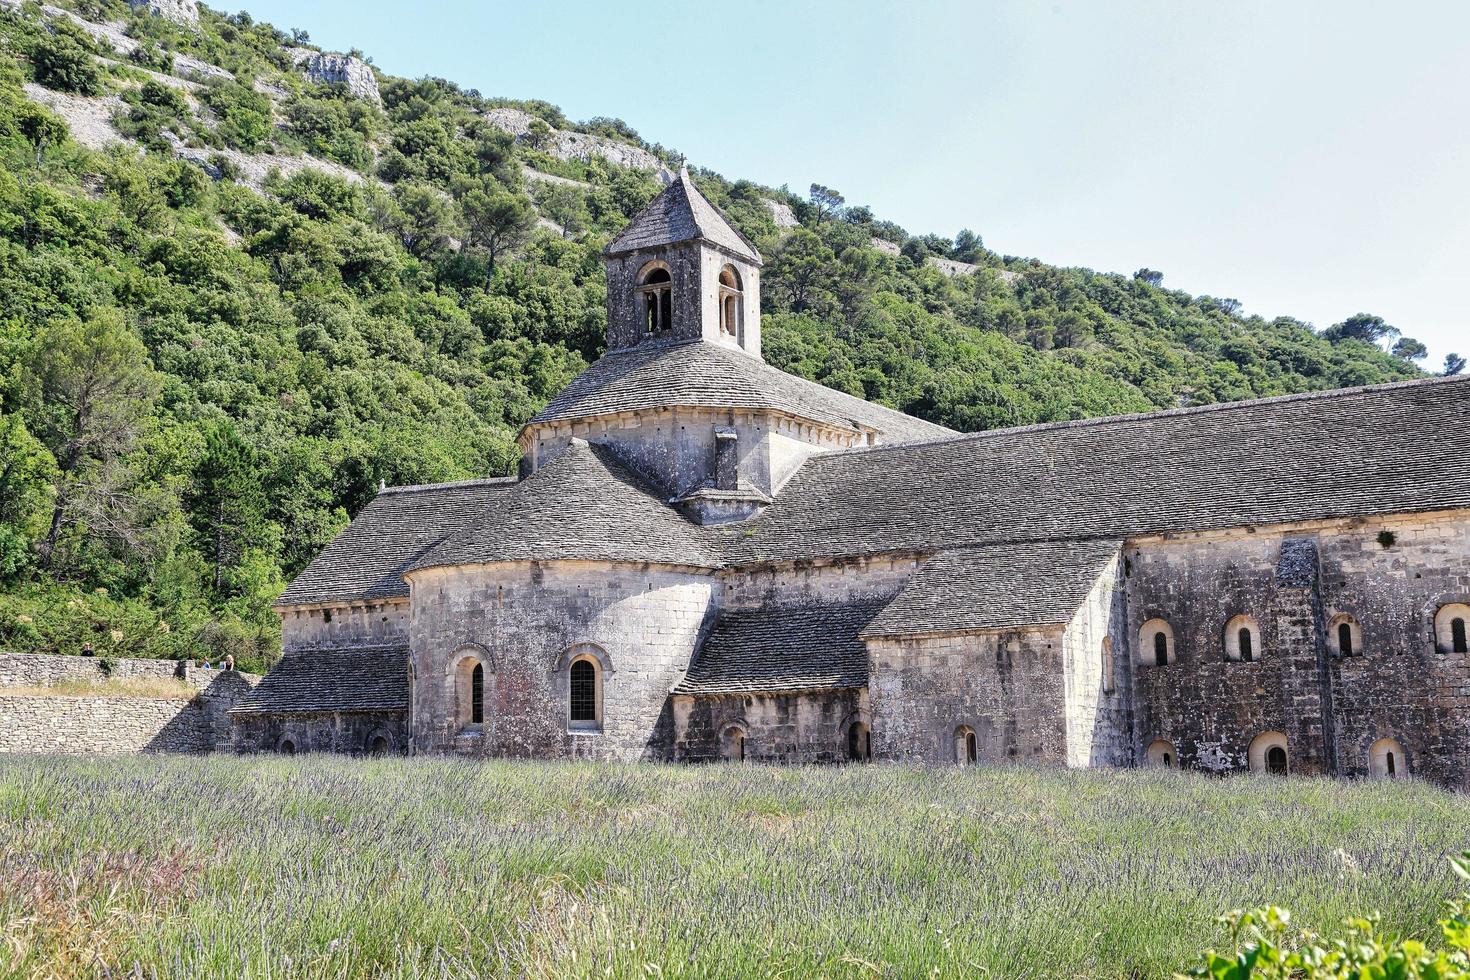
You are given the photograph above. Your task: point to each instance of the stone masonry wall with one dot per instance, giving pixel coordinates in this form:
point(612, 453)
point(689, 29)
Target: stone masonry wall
point(1330, 708)
point(812, 582)
point(524, 621)
point(377, 623)
point(1009, 687)
point(810, 727)
point(96, 725)
point(348, 733)
point(103, 725)
point(1098, 709)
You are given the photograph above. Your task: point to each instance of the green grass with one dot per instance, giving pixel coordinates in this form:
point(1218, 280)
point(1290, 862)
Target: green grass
point(329, 867)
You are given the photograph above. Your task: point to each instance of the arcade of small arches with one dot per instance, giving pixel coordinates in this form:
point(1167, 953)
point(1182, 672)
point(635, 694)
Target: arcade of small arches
point(1267, 753)
point(1241, 641)
point(379, 742)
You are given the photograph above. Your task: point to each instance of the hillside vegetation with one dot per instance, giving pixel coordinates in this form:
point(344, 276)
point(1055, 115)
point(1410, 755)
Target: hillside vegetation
point(234, 300)
point(316, 866)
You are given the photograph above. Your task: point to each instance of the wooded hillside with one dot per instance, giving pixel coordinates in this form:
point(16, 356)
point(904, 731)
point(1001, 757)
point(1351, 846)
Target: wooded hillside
point(234, 298)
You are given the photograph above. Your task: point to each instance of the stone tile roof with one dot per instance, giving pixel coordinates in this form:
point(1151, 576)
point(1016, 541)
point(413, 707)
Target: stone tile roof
point(364, 561)
point(696, 374)
point(358, 679)
point(582, 505)
point(800, 648)
point(680, 213)
point(1355, 452)
point(996, 587)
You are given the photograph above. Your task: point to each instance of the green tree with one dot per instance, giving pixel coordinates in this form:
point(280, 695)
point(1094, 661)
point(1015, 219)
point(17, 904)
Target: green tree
point(226, 502)
point(826, 203)
point(496, 221)
point(1150, 276)
point(1409, 349)
point(801, 269)
point(1453, 364)
point(565, 206)
point(27, 474)
point(90, 387)
point(425, 218)
point(1363, 327)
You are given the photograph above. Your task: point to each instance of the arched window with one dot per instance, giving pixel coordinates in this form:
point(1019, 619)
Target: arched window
point(469, 689)
point(1267, 753)
point(1450, 628)
point(732, 744)
point(584, 698)
point(1156, 643)
point(1107, 665)
point(378, 745)
point(656, 293)
point(1242, 639)
point(857, 742)
point(1386, 760)
point(1344, 637)
point(1161, 753)
point(966, 746)
point(730, 295)
point(288, 747)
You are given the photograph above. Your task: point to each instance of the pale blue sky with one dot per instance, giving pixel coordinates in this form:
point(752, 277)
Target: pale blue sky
point(1310, 159)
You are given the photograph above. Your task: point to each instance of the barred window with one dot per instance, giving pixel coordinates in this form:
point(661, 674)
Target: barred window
point(584, 691)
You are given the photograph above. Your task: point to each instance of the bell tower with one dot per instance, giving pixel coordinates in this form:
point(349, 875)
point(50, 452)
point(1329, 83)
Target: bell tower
point(680, 272)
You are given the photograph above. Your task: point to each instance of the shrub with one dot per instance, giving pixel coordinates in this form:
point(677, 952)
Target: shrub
point(1266, 947)
point(61, 63)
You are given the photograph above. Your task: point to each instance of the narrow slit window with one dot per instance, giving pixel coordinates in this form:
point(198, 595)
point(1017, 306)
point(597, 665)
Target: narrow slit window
point(1457, 636)
point(1345, 639)
point(477, 695)
point(1161, 649)
point(1246, 652)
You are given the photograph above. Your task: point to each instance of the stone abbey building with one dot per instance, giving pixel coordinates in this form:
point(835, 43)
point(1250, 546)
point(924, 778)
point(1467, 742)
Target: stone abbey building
point(705, 558)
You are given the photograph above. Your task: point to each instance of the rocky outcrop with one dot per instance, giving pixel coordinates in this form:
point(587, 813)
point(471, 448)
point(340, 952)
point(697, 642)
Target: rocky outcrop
point(885, 246)
point(178, 11)
point(952, 268)
point(564, 144)
point(782, 214)
point(334, 68)
point(90, 120)
point(188, 67)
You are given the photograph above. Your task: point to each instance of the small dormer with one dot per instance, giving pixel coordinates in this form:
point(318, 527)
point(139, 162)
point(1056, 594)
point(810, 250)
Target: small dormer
point(680, 271)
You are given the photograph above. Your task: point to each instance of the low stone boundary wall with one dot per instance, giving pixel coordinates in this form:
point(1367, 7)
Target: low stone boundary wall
point(42, 669)
point(101, 725)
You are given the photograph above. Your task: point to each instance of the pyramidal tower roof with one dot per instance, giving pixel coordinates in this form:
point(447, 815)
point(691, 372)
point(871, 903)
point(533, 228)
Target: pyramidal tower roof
point(681, 213)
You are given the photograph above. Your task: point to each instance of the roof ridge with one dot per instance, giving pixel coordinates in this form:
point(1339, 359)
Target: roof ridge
point(1298, 396)
point(474, 482)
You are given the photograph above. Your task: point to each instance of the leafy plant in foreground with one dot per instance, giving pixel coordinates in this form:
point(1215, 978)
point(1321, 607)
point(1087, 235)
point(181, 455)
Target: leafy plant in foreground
point(1269, 949)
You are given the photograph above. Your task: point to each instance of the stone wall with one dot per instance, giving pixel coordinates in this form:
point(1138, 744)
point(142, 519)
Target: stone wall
point(1389, 574)
point(524, 622)
point(808, 727)
point(675, 448)
point(807, 583)
point(1098, 709)
point(364, 624)
point(1008, 687)
point(348, 733)
point(101, 725)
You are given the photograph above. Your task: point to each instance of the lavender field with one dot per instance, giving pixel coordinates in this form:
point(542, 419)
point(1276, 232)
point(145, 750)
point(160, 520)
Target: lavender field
point(334, 867)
